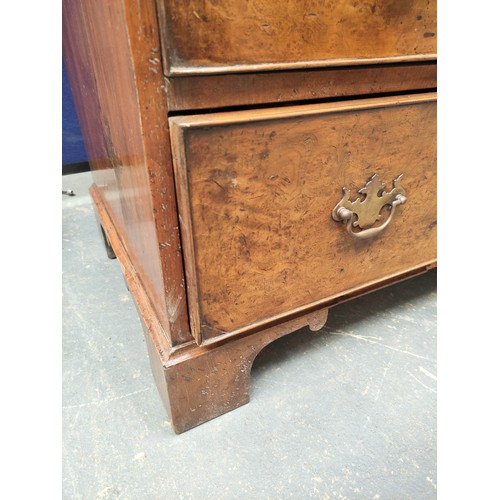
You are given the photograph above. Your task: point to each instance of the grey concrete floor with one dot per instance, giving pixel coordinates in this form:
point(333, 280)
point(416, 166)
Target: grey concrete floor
point(347, 412)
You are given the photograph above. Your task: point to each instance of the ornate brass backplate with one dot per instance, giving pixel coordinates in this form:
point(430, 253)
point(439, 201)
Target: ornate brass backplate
point(365, 211)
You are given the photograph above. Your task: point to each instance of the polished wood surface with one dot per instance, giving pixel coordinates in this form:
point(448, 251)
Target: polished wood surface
point(219, 36)
point(112, 52)
point(256, 190)
point(218, 91)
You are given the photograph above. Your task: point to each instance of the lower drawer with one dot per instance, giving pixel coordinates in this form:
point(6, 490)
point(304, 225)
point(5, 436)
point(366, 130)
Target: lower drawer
point(257, 189)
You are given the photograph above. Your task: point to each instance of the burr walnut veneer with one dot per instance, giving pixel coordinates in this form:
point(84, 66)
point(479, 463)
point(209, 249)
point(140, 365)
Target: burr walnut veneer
point(254, 164)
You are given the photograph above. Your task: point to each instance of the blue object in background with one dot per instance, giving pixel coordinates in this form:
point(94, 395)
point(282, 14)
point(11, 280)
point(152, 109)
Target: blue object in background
point(73, 149)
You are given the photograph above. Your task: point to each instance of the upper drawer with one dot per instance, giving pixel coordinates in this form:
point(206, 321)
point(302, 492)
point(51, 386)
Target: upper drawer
point(256, 191)
point(219, 36)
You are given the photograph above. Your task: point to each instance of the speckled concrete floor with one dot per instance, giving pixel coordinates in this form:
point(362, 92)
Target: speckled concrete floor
point(347, 412)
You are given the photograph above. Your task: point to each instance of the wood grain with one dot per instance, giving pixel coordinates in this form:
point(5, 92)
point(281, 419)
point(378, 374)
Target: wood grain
point(211, 381)
point(202, 37)
point(217, 91)
point(256, 190)
point(111, 50)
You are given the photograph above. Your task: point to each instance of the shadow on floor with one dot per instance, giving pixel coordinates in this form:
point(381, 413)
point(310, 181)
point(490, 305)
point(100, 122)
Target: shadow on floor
point(344, 317)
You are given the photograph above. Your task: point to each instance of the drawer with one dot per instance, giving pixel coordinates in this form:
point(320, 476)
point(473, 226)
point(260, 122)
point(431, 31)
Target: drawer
point(256, 191)
point(220, 36)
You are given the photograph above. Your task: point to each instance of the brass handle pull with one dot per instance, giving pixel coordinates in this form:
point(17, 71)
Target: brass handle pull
point(363, 213)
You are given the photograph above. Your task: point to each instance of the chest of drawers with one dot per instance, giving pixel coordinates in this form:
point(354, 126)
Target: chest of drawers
point(254, 164)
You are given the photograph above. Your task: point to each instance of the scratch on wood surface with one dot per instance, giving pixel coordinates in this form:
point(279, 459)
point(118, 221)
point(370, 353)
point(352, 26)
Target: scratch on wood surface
point(368, 339)
point(173, 306)
point(215, 182)
point(97, 403)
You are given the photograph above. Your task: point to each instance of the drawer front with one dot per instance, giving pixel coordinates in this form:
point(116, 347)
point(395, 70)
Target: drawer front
point(256, 191)
point(201, 37)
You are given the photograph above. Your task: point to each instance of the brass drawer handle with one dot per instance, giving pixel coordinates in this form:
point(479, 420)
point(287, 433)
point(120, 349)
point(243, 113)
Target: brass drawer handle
point(363, 213)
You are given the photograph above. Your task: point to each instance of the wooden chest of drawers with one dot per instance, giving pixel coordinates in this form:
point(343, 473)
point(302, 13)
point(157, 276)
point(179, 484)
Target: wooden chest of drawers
point(254, 164)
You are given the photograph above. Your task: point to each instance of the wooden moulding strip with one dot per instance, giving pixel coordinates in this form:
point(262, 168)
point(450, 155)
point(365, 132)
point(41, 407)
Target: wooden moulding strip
point(297, 111)
point(185, 224)
point(210, 92)
point(179, 70)
point(143, 303)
